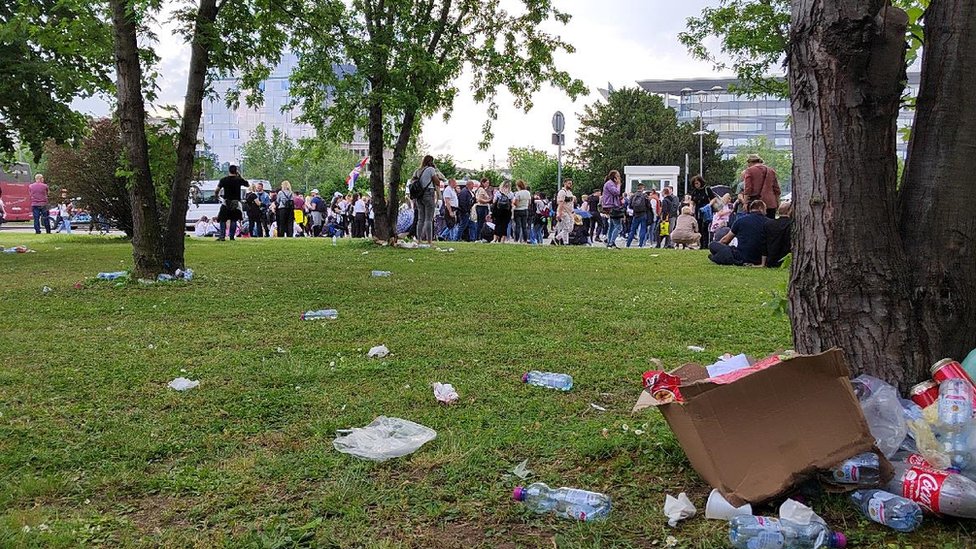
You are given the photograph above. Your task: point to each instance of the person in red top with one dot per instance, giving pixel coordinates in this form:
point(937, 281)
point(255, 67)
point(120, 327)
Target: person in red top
point(761, 184)
point(38, 199)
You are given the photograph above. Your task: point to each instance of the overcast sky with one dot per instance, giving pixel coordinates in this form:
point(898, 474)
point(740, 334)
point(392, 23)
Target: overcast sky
point(617, 41)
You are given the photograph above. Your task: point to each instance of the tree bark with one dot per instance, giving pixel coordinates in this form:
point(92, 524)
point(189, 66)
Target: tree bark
point(399, 156)
point(848, 286)
point(938, 224)
point(384, 220)
point(173, 243)
point(147, 250)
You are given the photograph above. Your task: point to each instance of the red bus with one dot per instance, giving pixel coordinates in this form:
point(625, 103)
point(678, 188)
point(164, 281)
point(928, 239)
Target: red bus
point(14, 180)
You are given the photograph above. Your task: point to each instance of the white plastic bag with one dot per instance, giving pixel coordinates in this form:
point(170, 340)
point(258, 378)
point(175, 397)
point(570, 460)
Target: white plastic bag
point(883, 412)
point(678, 508)
point(444, 392)
point(380, 351)
point(385, 438)
point(183, 384)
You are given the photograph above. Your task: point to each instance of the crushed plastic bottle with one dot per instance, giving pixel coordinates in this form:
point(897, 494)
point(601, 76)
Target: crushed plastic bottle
point(563, 382)
point(937, 491)
point(185, 274)
point(569, 503)
point(752, 532)
point(861, 470)
point(895, 512)
point(883, 412)
point(955, 415)
point(325, 314)
point(381, 274)
point(113, 276)
point(163, 277)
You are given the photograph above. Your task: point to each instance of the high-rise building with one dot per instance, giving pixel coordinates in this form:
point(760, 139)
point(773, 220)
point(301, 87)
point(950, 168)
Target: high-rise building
point(738, 118)
point(225, 130)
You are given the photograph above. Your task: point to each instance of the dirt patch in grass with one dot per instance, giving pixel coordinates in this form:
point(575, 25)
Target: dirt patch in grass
point(154, 513)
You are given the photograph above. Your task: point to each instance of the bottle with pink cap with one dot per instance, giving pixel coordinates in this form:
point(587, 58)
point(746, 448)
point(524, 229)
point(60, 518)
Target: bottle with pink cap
point(564, 502)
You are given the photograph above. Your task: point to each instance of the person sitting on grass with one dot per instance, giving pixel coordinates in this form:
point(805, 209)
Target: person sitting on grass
point(750, 231)
point(685, 231)
point(204, 228)
point(777, 236)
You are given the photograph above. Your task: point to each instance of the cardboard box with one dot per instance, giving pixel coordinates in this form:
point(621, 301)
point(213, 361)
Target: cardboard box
point(763, 434)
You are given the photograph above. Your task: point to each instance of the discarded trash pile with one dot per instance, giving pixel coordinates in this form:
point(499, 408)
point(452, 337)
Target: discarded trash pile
point(17, 250)
point(758, 431)
point(122, 276)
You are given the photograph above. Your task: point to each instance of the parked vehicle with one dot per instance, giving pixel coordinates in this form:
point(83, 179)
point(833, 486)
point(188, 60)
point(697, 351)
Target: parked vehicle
point(14, 181)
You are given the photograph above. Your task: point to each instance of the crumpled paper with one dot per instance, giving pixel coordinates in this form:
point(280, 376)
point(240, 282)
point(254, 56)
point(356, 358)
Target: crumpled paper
point(795, 511)
point(444, 392)
point(379, 351)
point(678, 508)
point(183, 384)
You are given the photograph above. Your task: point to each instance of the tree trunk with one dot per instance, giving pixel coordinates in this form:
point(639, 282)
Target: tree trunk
point(399, 156)
point(384, 222)
point(147, 250)
point(175, 237)
point(938, 223)
point(848, 284)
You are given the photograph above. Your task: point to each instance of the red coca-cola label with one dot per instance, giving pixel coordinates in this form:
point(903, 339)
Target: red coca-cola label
point(923, 485)
point(662, 386)
point(918, 461)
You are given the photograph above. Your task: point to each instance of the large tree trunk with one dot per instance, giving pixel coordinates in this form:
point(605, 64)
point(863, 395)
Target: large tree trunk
point(384, 222)
point(173, 243)
point(849, 288)
point(396, 165)
point(147, 251)
point(938, 223)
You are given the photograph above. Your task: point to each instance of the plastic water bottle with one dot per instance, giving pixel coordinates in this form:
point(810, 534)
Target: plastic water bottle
point(751, 532)
point(381, 274)
point(564, 502)
point(163, 277)
point(112, 276)
point(955, 415)
point(325, 314)
point(335, 241)
point(860, 470)
point(938, 491)
point(895, 512)
point(185, 274)
point(563, 382)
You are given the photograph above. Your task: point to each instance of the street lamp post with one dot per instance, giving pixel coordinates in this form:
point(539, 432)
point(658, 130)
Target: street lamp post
point(703, 105)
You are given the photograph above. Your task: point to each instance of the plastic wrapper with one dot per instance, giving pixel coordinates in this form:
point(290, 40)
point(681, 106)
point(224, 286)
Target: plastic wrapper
point(385, 438)
point(883, 412)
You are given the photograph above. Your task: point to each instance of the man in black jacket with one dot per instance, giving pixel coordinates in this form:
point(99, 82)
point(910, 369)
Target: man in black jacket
point(465, 228)
point(777, 236)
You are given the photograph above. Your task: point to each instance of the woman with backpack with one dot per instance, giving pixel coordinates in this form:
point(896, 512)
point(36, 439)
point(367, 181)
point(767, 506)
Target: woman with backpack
point(701, 196)
point(423, 188)
point(285, 210)
point(501, 212)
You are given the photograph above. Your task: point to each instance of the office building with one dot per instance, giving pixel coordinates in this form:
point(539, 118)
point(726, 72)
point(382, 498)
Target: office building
point(225, 130)
point(738, 118)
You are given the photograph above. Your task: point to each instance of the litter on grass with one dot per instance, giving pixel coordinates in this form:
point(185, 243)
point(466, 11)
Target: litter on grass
point(678, 508)
point(380, 351)
point(598, 407)
point(385, 438)
point(445, 393)
point(696, 349)
point(18, 250)
point(183, 384)
point(522, 470)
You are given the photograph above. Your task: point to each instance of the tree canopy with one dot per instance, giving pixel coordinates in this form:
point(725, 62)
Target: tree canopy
point(636, 128)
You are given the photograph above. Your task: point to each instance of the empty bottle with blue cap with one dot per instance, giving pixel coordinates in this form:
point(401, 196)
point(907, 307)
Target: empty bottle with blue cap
point(751, 532)
point(895, 512)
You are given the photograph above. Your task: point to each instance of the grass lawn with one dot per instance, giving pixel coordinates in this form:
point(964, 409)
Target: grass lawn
point(96, 450)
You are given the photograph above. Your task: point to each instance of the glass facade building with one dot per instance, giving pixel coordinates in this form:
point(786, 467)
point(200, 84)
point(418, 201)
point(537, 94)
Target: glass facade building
point(737, 118)
point(225, 130)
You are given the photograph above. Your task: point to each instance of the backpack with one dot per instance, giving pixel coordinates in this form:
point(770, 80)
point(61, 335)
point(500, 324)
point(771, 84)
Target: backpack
point(320, 207)
point(638, 203)
point(289, 201)
point(416, 188)
point(707, 214)
point(533, 210)
point(503, 203)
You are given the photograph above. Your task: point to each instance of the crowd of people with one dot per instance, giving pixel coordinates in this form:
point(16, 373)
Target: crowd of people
point(752, 228)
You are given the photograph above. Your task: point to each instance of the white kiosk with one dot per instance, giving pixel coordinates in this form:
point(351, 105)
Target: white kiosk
point(653, 177)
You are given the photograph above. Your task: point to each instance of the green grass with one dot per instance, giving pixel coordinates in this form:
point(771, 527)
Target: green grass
point(96, 448)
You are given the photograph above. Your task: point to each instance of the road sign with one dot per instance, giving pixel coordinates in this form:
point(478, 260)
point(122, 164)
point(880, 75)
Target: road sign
point(558, 139)
point(558, 122)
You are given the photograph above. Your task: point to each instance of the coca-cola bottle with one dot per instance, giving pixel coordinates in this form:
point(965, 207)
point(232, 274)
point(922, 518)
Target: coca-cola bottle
point(936, 491)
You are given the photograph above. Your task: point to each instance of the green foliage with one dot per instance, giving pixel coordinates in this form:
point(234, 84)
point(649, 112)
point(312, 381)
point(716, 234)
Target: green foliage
point(323, 164)
point(635, 128)
point(448, 167)
point(753, 35)
point(779, 160)
point(541, 170)
point(50, 54)
point(267, 157)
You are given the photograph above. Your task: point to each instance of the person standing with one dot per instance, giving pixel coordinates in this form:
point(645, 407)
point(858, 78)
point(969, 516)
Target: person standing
point(285, 210)
point(300, 217)
point(654, 217)
point(482, 205)
point(669, 214)
point(429, 182)
point(370, 217)
point(566, 203)
point(597, 223)
point(252, 207)
point(38, 191)
point(501, 212)
point(612, 205)
point(451, 210)
point(317, 209)
point(760, 183)
point(638, 227)
point(523, 199)
point(701, 196)
point(358, 216)
point(230, 210)
point(265, 200)
point(465, 205)
point(64, 213)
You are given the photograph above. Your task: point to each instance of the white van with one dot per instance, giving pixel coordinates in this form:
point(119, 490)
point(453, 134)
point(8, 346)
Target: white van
point(205, 202)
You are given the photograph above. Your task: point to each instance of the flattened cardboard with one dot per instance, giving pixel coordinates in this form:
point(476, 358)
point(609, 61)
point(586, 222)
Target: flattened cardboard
point(761, 435)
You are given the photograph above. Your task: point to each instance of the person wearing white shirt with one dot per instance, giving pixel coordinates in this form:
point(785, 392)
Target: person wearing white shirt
point(359, 216)
point(449, 196)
